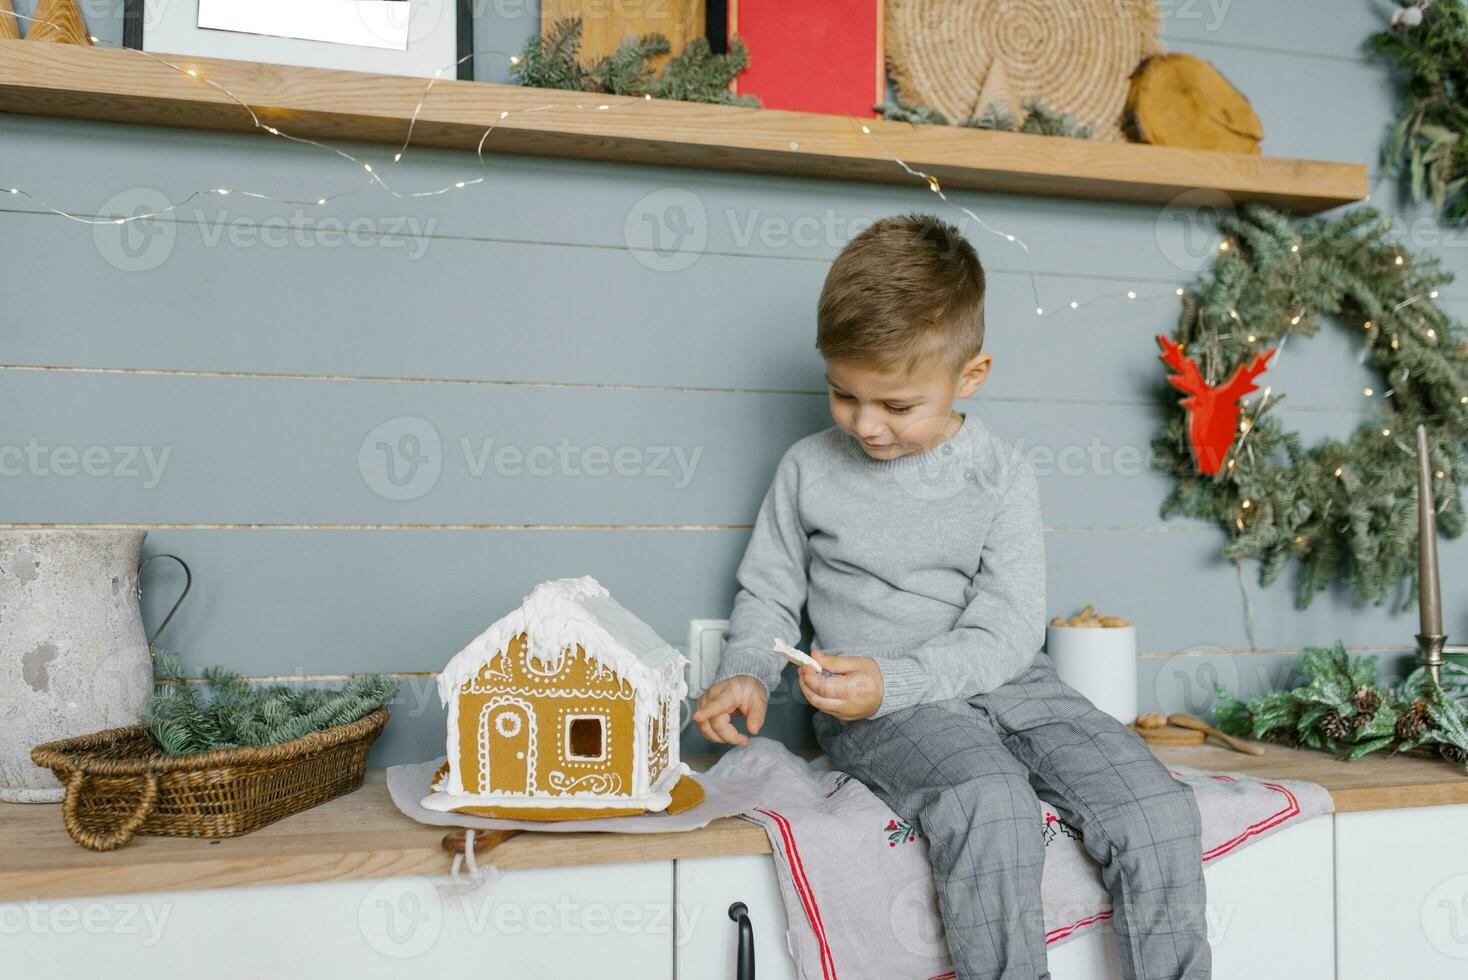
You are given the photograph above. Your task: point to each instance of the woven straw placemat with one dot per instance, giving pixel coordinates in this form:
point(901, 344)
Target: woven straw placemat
point(1076, 56)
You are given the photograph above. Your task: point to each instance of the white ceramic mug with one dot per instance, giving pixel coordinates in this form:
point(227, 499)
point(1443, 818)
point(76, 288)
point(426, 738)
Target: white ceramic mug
point(1101, 663)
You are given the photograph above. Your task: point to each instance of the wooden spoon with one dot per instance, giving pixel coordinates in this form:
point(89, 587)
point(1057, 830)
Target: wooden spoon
point(1169, 735)
point(1238, 745)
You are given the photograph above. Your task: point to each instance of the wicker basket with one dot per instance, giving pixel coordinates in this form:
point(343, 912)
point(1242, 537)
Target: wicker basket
point(118, 784)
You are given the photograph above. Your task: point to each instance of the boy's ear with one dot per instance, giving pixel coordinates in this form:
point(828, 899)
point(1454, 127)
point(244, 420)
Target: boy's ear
point(973, 375)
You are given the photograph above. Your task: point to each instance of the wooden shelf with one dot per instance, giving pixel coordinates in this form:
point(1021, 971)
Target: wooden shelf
point(120, 86)
point(1375, 782)
point(363, 835)
point(360, 835)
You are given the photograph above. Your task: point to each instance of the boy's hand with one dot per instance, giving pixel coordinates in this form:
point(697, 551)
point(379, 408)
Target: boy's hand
point(855, 693)
point(740, 694)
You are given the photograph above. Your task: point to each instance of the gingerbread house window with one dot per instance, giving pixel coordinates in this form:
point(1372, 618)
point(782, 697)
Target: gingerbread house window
point(586, 738)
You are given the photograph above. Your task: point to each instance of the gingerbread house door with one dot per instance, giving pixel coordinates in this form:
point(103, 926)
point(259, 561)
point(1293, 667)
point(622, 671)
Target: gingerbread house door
point(507, 746)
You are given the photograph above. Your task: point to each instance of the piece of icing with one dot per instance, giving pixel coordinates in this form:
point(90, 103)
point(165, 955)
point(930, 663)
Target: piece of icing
point(799, 657)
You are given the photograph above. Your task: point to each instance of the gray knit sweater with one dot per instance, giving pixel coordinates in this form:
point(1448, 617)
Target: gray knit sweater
point(933, 564)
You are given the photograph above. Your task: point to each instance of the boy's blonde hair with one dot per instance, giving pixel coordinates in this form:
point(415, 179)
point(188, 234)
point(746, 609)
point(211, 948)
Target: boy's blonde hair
point(906, 291)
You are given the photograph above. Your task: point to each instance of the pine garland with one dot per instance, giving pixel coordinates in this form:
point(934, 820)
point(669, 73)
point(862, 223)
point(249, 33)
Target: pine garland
point(1345, 510)
point(1045, 121)
point(1429, 53)
point(238, 713)
point(918, 115)
point(695, 74)
point(1039, 119)
point(1341, 708)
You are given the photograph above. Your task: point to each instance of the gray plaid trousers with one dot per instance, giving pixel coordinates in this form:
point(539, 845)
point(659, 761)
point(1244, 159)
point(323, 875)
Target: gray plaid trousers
point(969, 774)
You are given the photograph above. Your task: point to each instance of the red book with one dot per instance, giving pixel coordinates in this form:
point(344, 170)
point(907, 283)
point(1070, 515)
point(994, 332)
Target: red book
point(813, 55)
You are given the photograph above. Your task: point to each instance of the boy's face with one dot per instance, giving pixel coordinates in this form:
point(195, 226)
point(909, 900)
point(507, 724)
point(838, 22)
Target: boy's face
point(894, 415)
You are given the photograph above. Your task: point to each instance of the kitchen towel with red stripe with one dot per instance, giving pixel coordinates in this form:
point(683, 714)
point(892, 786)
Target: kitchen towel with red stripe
point(857, 889)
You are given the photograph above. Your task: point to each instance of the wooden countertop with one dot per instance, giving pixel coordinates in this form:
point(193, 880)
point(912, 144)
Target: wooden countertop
point(363, 835)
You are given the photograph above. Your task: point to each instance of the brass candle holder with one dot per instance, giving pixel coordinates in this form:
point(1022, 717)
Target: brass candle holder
point(1431, 640)
point(1430, 649)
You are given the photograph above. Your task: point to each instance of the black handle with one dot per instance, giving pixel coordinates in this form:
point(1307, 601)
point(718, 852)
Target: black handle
point(744, 969)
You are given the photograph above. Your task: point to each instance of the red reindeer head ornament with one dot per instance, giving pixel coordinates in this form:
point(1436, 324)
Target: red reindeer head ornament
point(1213, 412)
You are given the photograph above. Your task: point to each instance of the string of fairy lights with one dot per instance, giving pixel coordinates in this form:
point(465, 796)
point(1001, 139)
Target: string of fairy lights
point(376, 177)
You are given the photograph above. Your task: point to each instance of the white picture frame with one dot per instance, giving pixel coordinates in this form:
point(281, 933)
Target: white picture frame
point(348, 35)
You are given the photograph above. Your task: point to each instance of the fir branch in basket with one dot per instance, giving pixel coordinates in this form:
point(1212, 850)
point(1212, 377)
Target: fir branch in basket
point(1341, 708)
point(238, 713)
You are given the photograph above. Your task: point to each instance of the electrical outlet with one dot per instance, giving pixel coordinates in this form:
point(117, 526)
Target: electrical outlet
point(705, 646)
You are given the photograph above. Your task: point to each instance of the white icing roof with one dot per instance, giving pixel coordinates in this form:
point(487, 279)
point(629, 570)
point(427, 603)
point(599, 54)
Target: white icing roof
point(559, 615)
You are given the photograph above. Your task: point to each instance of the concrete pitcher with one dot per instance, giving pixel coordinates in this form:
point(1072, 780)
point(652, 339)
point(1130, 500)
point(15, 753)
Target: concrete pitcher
point(73, 655)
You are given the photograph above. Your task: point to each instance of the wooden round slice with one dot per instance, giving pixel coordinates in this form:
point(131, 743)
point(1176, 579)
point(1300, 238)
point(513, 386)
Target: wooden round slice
point(1181, 100)
point(1076, 56)
point(9, 25)
point(58, 21)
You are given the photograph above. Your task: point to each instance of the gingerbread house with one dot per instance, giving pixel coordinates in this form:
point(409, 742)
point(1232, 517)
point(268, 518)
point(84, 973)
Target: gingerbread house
point(568, 707)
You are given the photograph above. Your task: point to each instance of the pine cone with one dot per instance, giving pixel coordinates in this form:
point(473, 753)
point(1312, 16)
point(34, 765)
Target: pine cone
point(1452, 752)
point(1279, 734)
point(1366, 699)
point(1363, 719)
point(1413, 721)
point(1334, 726)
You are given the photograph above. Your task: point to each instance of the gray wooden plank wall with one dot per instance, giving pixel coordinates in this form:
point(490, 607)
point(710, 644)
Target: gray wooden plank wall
point(252, 356)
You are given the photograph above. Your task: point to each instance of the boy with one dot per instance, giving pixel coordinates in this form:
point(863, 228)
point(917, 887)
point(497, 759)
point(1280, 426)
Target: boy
point(912, 537)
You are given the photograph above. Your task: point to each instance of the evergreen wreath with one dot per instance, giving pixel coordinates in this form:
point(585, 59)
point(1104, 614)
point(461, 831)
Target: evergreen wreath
point(238, 713)
point(1345, 510)
point(1342, 707)
point(1428, 47)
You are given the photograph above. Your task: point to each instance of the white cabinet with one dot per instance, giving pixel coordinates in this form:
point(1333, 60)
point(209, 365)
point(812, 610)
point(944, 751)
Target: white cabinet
point(1358, 896)
point(707, 947)
point(1402, 893)
point(1271, 914)
point(589, 922)
point(1271, 909)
